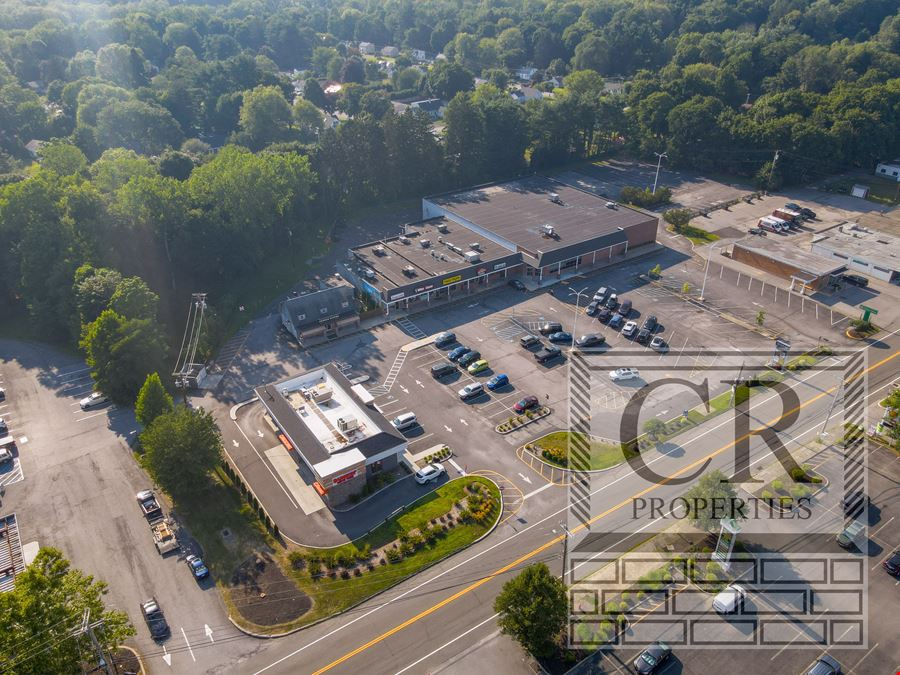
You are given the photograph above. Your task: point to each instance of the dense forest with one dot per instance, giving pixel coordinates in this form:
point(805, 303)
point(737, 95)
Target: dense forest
point(185, 143)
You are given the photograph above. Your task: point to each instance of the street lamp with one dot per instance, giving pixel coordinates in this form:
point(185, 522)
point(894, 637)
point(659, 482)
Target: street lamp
point(706, 272)
point(658, 164)
point(577, 295)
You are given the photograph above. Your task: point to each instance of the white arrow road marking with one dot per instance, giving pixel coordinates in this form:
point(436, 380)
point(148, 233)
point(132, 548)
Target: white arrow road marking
point(553, 309)
point(405, 390)
point(235, 443)
point(480, 339)
point(449, 430)
point(188, 645)
point(525, 478)
point(463, 421)
point(208, 631)
point(167, 657)
point(23, 439)
point(420, 384)
point(456, 466)
point(259, 433)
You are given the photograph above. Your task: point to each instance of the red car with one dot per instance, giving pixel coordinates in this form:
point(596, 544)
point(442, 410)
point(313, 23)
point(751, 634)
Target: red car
point(525, 404)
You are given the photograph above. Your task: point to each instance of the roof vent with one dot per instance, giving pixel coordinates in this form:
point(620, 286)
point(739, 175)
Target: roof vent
point(547, 230)
point(409, 271)
point(425, 243)
point(554, 197)
point(378, 250)
point(475, 246)
point(443, 228)
point(403, 239)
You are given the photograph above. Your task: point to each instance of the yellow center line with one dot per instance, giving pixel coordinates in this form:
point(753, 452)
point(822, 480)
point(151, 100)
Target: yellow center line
point(552, 542)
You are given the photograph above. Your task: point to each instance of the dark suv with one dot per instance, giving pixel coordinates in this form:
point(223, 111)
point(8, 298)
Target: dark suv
point(650, 323)
point(442, 370)
point(547, 354)
point(529, 341)
point(551, 327)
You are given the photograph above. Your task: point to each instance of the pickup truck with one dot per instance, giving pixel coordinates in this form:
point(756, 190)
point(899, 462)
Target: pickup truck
point(150, 507)
point(164, 537)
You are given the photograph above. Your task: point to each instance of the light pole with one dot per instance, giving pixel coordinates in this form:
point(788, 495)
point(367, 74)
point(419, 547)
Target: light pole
point(706, 272)
point(577, 295)
point(658, 164)
point(565, 550)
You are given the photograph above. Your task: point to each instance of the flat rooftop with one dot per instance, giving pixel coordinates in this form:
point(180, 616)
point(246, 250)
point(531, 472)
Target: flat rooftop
point(874, 247)
point(516, 211)
point(326, 421)
point(787, 252)
point(390, 257)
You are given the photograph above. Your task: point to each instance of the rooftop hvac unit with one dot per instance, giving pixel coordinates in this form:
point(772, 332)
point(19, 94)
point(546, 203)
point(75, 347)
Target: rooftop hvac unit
point(472, 256)
point(378, 250)
point(425, 243)
point(321, 393)
point(403, 239)
point(475, 246)
point(367, 273)
point(346, 424)
point(443, 228)
point(554, 197)
point(409, 271)
point(547, 230)
point(440, 240)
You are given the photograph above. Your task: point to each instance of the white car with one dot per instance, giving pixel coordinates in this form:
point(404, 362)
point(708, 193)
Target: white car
point(729, 600)
point(429, 473)
point(621, 374)
point(471, 390)
point(5, 455)
point(94, 400)
point(658, 344)
point(629, 329)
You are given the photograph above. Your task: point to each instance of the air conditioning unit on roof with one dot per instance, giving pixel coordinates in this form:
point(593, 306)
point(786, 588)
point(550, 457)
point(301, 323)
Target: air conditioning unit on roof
point(378, 250)
point(403, 239)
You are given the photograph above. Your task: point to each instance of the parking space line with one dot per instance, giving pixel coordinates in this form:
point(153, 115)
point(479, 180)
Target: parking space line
point(883, 525)
point(188, 645)
point(420, 438)
point(105, 411)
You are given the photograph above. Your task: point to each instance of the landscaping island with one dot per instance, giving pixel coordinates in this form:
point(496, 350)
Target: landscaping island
point(554, 450)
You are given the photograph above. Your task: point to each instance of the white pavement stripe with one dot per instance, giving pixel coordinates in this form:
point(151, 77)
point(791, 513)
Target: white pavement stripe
point(538, 491)
point(447, 644)
point(456, 466)
point(188, 645)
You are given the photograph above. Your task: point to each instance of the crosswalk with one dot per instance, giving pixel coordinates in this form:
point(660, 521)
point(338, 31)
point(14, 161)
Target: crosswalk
point(12, 474)
point(410, 328)
point(12, 562)
point(385, 386)
point(231, 349)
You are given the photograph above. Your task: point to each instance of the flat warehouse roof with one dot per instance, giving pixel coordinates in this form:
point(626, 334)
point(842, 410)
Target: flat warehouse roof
point(876, 248)
point(391, 257)
point(517, 210)
point(788, 253)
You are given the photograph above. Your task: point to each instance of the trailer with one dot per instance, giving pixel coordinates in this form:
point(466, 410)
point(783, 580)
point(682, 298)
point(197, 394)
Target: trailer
point(791, 217)
point(164, 537)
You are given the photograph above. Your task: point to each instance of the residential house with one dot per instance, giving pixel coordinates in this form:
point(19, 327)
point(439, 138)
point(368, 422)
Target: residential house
point(390, 51)
point(34, 146)
point(316, 317)
point(366, 48)
point(526, 73)
point(521, 94)
point(433, 106)
point(419, 55)
point(889, 170)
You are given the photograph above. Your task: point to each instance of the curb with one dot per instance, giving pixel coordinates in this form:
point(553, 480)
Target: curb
point(564, 469)
point(523, 424)
point(363, 501)
point(233, 412)
point(137, 655)
point(493, 527)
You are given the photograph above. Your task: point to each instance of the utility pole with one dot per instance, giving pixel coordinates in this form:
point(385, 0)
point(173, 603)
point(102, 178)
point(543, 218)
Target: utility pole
point(658, 164)
point(565, 551)
point(772, 170)
point(87, 628)
point(184, 364)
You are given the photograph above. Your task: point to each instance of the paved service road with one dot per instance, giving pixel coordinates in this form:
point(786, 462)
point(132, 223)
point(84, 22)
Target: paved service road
point(442, 614)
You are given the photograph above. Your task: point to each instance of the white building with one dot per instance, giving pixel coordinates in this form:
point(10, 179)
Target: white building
point(526, 73)
point(390, 51)
point(366, 48)
point(889, 170)
point(875, 254)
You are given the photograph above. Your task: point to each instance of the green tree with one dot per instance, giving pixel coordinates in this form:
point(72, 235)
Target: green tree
point(654, 427)
point(94, 288)
point(446, 79)
point(175, 164)
point(760, 317)
point(122, 352)
point(533, 609)
point(117, 166)
point(312, 92)
point(133, 299)
point(143, 127)
point(677, 218)
point(181, 449)
point(152, 401)
point(45, 606)
point(265, 116)
point(711, 499)
point(308, 120)
point(62, 158)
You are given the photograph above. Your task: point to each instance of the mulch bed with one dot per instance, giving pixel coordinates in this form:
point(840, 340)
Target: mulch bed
point(264, 596)
point(125, 662)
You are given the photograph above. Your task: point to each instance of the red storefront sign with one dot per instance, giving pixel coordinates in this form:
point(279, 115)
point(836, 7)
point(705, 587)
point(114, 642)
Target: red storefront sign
point(344, 478)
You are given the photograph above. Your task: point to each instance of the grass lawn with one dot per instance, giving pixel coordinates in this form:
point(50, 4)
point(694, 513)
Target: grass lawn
point(603, 455)
point(695, 234)
point(335, 595)
point(216, 509)
point(881, 190)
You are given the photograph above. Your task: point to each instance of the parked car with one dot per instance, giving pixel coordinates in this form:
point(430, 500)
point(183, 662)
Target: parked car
point(478, 366)
point(6, 450)
point(198, 568)
point(442, 369)
point(156, 621)
point(548, 353)
point(824, 665)
point(616, 321)
point(604, 315)
point(612, 301)
point(526, 404)
point(791, 206)
point(445, 338)
point(809, 214)
point(560, 336)
point(650, 323)
point(405, 421)
point(429, 473)
point(729, 600)
point(4, 427)
point(625, 308)
point(855, 279)
point(892, 564)
point(2, 394)
point(622, 374)
point(629, 329)
point(852, 535)
point(757, 231)
point(471, 391)
point(658, 344)
point(652, 658)
point(551, 327)
point(643, 336)
point(853, 500)
point(95, 400)
point(498, 381)
point(592, 308)
point(601, 294)
point(590, 340)
point(468, 358)
point(529, 341)
point(518, 285)
point(457, 352)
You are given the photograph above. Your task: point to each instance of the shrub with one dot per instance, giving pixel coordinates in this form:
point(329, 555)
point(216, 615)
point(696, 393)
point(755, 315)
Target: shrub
point(357, 572)
point(778, 485)
point(345, 574)
point(766, 495)
point(645, 197)
point(297, 559)
point(364, 554)
point(406, 548)
point(393, 555)
point(798, 475)
point(626, 598)
point(640, 595)
point(315, 570)
point(656, 270)
point(711, 577)
point(677, 218)
point(799, 491)
point(345, 559)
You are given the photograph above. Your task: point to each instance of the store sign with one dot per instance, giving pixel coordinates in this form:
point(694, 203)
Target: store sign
point(499, 266)
point(422, 289)
point(350, 475)
point(481, 270)
point(397, 296)
point(451, 280)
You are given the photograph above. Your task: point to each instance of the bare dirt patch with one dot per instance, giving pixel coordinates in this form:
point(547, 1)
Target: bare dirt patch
point(264, 596)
